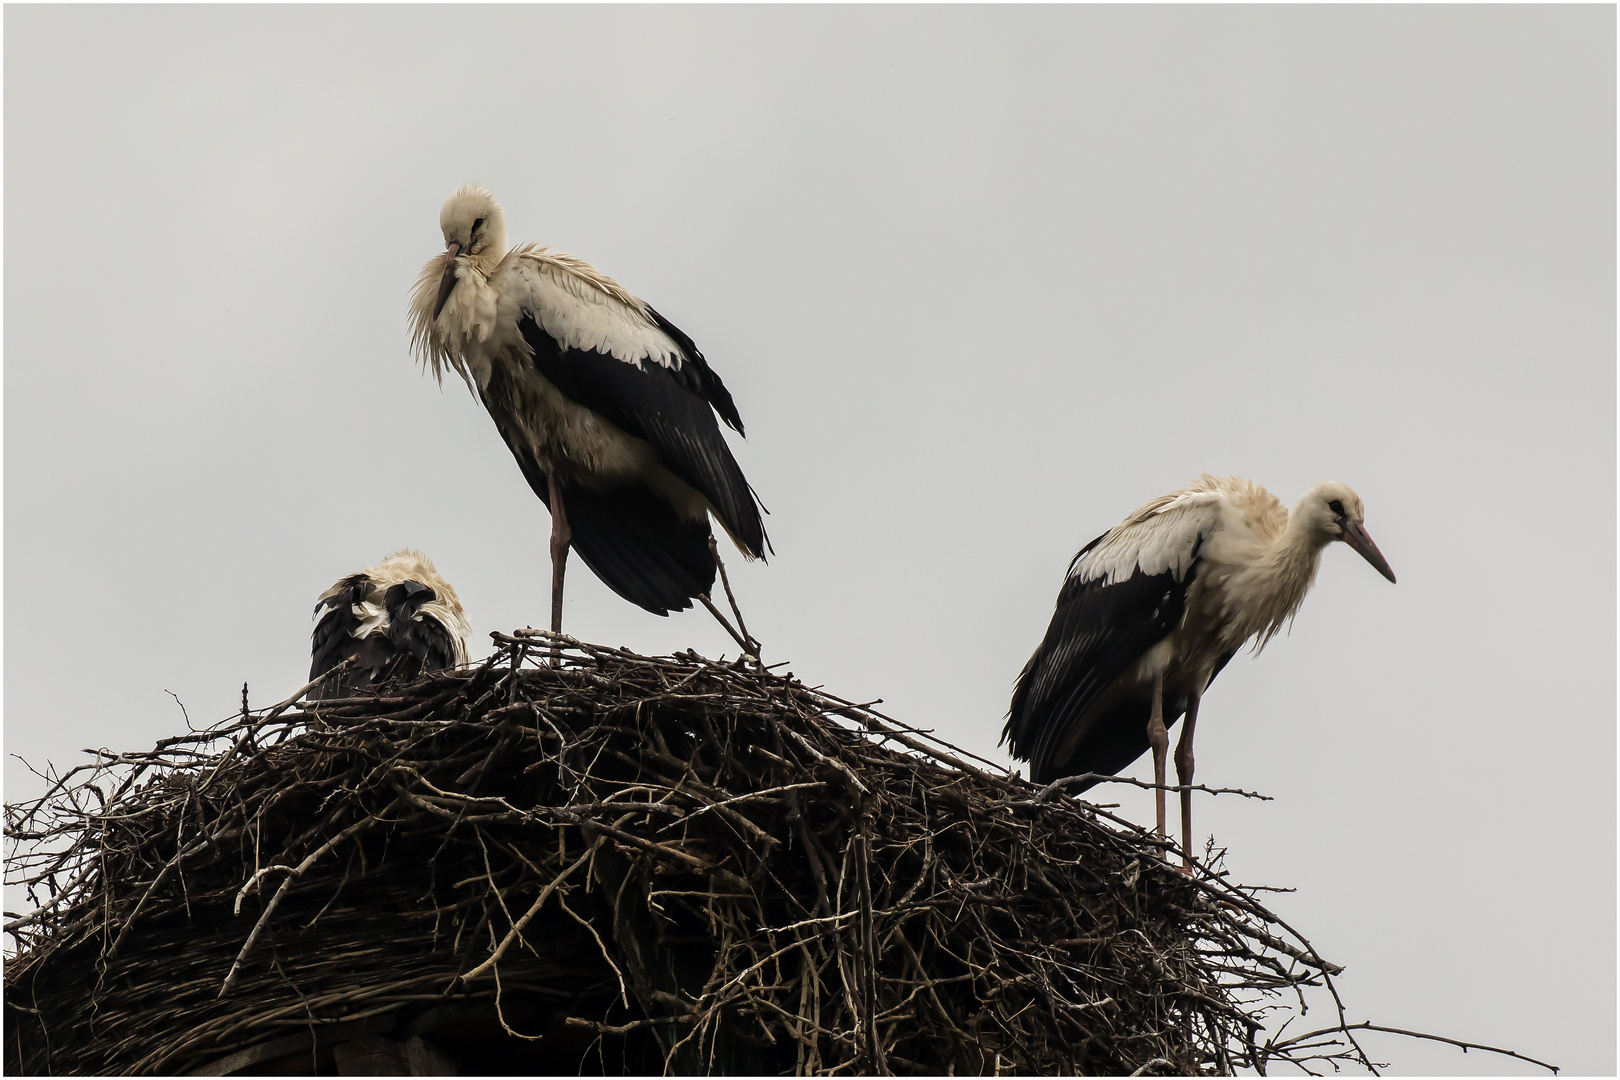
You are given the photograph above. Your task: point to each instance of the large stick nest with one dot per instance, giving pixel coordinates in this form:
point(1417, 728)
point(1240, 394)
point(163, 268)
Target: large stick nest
point(650, 864)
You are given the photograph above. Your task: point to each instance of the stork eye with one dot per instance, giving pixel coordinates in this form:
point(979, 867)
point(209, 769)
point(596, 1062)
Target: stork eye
point(1337, 507)
point(477, 224)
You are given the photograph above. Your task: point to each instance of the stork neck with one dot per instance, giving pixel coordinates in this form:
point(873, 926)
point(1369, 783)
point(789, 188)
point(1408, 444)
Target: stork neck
point(458, 337)
point(1276, 583)
point(485, 262)
point(1297, 553)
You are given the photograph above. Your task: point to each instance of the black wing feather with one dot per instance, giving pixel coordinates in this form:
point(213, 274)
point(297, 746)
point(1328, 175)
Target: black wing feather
point(637, 545)
point(332, 640)
point(423, 644)
point(672, 409)
point(696, 374)
point(1096, 633)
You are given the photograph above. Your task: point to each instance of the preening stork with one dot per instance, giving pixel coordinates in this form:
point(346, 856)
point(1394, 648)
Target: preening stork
point(607, 406)
point(1153, 609)
point(395, 620)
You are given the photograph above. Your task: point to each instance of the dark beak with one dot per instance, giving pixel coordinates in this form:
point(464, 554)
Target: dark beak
point(447, 283)
point(1356, 536)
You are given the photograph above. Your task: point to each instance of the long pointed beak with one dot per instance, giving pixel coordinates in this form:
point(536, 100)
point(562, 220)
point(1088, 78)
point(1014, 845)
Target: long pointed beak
point(1356, 536)
point(447, 283)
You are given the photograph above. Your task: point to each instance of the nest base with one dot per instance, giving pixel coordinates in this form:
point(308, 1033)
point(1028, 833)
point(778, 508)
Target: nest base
point(622, 864)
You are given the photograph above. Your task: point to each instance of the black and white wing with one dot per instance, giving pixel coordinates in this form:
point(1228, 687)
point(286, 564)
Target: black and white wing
point(617, 356)
point(604, 349)
point(1125, 592)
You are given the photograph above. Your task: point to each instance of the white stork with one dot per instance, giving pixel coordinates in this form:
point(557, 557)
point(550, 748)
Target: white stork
point(608, 408)
point(394, 620)
point(1152, 610)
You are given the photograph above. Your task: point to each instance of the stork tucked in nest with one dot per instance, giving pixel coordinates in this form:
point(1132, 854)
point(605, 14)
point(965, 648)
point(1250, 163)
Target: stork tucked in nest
point(397, 619)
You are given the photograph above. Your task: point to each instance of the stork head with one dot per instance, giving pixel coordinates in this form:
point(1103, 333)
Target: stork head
point(472, 220)
point(473, 227)
point(1333, 512)
point(410, 586)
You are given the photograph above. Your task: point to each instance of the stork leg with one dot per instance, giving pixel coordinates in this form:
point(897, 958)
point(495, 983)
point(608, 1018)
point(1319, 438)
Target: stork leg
point(751, 643)
point(1159, 740)
point(560, 535)
point(1184, 775)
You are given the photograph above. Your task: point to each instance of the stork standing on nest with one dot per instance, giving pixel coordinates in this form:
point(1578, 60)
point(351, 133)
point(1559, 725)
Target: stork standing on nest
point(1150, 613)
point(607, 406)
point(394, 620)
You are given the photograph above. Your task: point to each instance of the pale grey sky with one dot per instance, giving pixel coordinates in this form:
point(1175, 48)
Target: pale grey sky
point(982, 281)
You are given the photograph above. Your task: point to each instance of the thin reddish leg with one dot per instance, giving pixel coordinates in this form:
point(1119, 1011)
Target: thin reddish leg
point(750, 644)
point(1159, 739)
point(560, 535)
point(1184, 775)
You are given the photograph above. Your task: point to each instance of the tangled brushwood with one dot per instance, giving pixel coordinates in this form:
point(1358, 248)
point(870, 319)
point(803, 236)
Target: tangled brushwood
point(619, 864)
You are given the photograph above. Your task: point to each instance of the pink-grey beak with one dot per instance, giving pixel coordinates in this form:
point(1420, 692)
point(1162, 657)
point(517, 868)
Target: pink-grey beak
point(447, 284)
point(1356, 536)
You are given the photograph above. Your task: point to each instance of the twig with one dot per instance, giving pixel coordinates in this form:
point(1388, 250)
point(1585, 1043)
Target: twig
point(250, 730)
point(622, 1029)
point(1369, 1026)
point(1103, 778)
point(286, 883)
point(534, 909)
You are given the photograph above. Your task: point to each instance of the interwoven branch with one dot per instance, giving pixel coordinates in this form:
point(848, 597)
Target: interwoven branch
point(694, 866)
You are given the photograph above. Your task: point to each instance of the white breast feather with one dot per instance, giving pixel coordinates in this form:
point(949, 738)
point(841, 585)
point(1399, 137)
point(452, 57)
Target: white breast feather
point(585, 309)
point(373, 617)
point(451, 618)
point(1161, 536)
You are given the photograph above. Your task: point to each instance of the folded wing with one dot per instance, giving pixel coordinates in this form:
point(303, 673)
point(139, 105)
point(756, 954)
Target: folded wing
point(618, 357)
point(1125, 592)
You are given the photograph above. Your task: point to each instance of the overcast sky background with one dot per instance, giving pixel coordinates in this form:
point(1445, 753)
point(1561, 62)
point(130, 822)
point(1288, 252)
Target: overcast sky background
point(982, 281)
